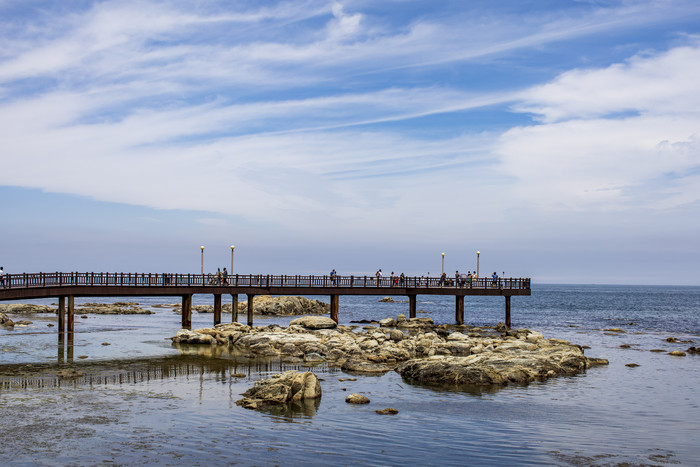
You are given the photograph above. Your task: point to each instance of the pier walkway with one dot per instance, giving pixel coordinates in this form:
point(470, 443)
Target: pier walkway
point(67, 286)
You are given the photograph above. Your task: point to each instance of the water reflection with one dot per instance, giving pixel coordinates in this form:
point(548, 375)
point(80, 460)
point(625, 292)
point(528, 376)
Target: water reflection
point(137, 371)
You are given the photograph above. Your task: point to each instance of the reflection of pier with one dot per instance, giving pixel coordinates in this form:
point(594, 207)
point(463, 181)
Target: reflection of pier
point(66, 286)
point(140, 370)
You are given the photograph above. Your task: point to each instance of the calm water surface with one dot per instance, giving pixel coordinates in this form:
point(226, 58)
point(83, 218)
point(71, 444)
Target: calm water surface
point(147, 403)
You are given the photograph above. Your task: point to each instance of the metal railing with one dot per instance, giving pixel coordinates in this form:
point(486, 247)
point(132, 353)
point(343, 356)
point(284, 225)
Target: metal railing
point(123, 279)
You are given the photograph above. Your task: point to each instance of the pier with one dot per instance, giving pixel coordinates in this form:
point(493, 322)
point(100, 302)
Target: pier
point(67, 286)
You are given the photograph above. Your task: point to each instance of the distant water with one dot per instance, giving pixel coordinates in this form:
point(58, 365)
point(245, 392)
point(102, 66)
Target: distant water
point(151, 405)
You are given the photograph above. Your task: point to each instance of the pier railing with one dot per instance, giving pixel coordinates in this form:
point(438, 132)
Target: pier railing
point(123, 279)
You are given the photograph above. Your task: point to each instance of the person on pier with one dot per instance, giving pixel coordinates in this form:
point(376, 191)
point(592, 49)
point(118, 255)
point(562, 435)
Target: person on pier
point(379, 277)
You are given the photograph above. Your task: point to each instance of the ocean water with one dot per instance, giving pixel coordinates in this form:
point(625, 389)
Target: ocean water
point(148, 403)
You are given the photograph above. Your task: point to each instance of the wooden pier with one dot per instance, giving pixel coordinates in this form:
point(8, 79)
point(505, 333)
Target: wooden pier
point(67, 286)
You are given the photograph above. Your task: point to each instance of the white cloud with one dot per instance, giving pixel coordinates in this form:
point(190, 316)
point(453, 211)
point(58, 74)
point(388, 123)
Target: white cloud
point(586, 155)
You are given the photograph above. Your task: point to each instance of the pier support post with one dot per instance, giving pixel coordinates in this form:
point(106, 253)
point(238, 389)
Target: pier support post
point(234, 308)
point(187, 311)
point(71, 313)
point(411, 306)
point(61, 314)
point(250, 309)
point(217, 309)
point(459, 309)
point(508, 311)
point(334, 308)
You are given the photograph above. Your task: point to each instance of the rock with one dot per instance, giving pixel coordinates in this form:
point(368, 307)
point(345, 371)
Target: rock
point(500, 366)
point(387, 323)
point(355, 398)
point(632, 365)
point(116, 308)
point(387, 300)
point(693, 350)
point(671, 339)
point(657, 350)
point(677, 353)
point(314, 322)
point(5, 321)
point(25, 308)
point(618, 330)
point(625, 346)
point(395, 335)
point(83, 317)
point(387, 411)
point(106, 343)
point(501, 327)
point(434, 354)
point(288, 387)
point(267, 305)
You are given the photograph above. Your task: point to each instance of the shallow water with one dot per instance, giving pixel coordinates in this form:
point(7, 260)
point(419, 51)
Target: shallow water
point(149, 404)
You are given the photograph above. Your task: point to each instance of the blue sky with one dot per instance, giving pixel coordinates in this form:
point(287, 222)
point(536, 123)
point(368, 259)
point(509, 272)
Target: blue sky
point(559, 138)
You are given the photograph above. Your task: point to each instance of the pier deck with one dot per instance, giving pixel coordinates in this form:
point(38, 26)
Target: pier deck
point(69, 285)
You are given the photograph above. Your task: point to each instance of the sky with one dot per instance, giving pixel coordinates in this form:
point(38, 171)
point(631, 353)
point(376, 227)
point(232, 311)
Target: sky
point(559, 138)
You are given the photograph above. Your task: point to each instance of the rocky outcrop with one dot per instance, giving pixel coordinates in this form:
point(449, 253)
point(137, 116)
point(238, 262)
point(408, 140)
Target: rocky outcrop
point(424, 352)
point(278, 306)
point(283, 388)
point(116, 308)
point(26, 308)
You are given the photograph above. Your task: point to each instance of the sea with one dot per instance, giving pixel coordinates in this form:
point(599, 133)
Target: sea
point(145, 402)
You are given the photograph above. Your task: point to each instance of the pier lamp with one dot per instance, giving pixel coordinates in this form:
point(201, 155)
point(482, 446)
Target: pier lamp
point(477, 264)
point(202, 248)
point(232, 247)
point(443, 263)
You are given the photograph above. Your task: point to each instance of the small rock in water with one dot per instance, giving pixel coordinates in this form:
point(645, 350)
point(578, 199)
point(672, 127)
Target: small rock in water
point(106, 343)
point(632, 365)
point(677, 353)
point(693, 350)
point(69, 373)
point(625, 346)
point(657, 350)
point(50, 325)
point(387, 411)
point(355, 398)
point(671, 339)
point(82, 356)
point(238, 375)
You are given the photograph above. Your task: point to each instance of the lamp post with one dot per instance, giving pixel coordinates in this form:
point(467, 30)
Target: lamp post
point(202, 248)
point(477, 264)
point(232, 247)
point(443, 263)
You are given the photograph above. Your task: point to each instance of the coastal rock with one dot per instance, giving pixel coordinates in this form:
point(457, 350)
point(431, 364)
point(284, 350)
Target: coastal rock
point(26, 308)
point(501, 366)
point(5, 321)
point(355, 398)
point(386, 300)
point(693, 350)
point(677, 353)
point(288, 387)
point(267, 305)
point(314, 322)
point(428, 353)
point(116, 308)
point(387, 411)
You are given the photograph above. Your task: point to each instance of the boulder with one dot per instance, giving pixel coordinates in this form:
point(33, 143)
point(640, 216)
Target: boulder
point(314, 322)
point(288, 387)
point(355, 398)
point(5, 321)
